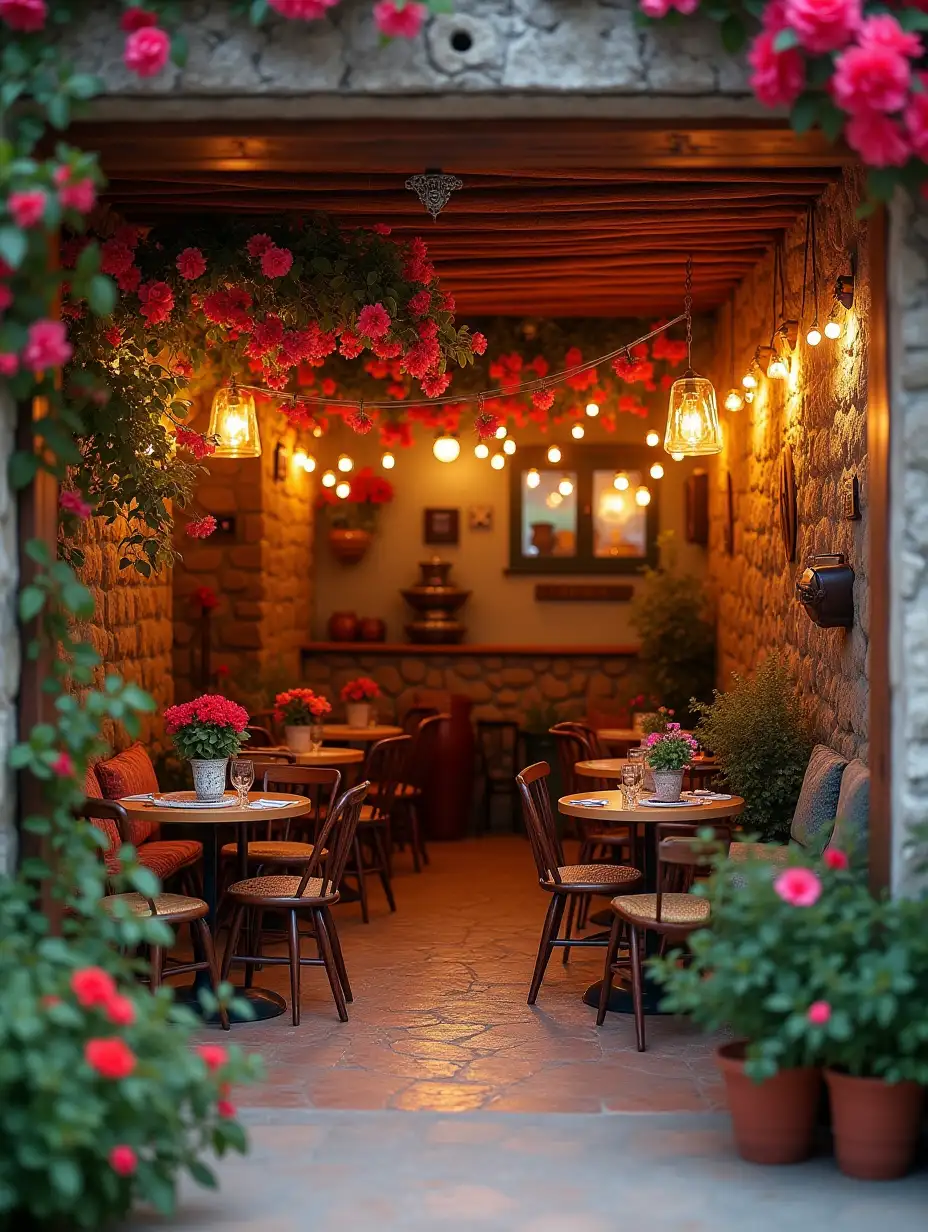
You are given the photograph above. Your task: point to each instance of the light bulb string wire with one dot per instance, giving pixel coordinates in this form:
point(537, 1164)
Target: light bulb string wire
point(511, 391)
point(688, 309)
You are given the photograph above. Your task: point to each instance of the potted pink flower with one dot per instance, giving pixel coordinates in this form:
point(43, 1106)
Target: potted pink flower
point(207, 732)
point(668, 755)
point(301, 711)
point(358, 696)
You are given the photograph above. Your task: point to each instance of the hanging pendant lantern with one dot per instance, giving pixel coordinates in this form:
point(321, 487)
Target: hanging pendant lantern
point(692, 416)
point(234, 421)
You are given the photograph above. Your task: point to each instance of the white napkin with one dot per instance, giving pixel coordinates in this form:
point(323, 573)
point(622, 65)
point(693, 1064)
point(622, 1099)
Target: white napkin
point(711, 795)
point(263, 804)
point(145, 795)
point(592, 803)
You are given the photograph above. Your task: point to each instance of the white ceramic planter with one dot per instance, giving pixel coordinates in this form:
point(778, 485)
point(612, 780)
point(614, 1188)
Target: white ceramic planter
point(299, 739)
point(358, 714)
point(209, 779)
point(667, 784)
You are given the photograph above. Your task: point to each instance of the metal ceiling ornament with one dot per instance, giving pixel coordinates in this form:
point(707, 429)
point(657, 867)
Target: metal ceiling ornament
point(434, 188)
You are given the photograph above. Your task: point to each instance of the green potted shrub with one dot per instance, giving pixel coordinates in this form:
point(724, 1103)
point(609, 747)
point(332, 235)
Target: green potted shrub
point(758, 732)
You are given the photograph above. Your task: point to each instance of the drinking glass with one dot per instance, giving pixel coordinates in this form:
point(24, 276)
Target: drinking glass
point(316, 735)
point(242, 775)
point(631, 784)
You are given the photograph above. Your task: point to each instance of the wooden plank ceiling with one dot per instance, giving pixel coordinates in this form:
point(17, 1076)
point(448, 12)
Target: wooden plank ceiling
point(556, 218)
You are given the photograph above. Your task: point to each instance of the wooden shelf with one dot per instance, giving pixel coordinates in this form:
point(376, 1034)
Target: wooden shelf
point(411, 649)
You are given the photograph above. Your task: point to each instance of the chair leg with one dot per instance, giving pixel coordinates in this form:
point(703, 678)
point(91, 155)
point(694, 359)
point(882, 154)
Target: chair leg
point(379, 847)
point(412, 821)
point(206, 940)
point(362, 884)
point(293, 939)
point(612, 953)
point(157, 967)
point(571, 908)
point(418, 840)
point(325, 953)
point(258, 928)
point(583, 911)
point(635, 956)
point(235, 928)
point(545, 946)
point(337, 952)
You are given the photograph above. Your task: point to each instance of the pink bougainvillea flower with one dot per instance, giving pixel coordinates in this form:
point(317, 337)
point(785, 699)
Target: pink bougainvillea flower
point(870, 79)
point(421, 358)
point(302, 10)
point(213, 1055)
point(823, 25)
point(878, 139)
point(373, 321)
point(157, 300)
point(27, 208)
point(275, 262)
point(63, 766)
point(130, 279)
point(478, 343)
point(191, 263)
point(835, 858)
point(147, 50)
point(435, 384)
point(194, 442)
point(80, 195)
point(660, 8)
point(819, 1013)
point(9, 363)
point(73, 502)
point(111, 1058)
point(113, 335)
point(25, 15)
point(359, 421)
point(201, 528)
point(258, 245)
point(48, 345)
point(420, 302)
point(120, 1011)
point(115, 257)
point(397, 19)
point(93, 986)
point(123, 1160)
point(799, 887)
point(381, 228)
point(350, 345)
point(543, 399)
point(137, 19)
point(777, 77)
point(883, 30)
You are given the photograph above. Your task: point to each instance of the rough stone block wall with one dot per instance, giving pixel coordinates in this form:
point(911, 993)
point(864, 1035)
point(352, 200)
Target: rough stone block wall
point(9, 639)
point(821, 412)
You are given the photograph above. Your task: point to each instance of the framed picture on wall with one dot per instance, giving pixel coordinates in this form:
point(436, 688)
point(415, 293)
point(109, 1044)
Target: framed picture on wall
point(441, 526)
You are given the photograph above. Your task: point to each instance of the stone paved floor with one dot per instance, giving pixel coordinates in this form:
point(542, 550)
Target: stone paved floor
point(440, 1023)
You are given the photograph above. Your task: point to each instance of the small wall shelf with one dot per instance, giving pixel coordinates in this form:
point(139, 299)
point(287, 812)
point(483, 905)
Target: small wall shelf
point(416, 648)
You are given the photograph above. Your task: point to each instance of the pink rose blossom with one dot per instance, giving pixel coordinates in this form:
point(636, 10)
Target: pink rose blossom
point(870, 79)
point(146, 51)
point(373, 321)
point(27, 208)
point(201, 528)
point(835, 858)
point(381, 228)
point(275, 262)
point(123, 1160)
point(799, 887)
point(157, 301)
point(819, 1013)
point(115, 257)
point(877, 139)
point(73, 502)
point(120, 1011)
point(258, 245)
point(397, 20)
point(777, 77)
point(9, 363)
point(302, 10)
point(63, 766)
point(48, 345)
point(137, 19)
point(823, 25)
point(883, 30)
point(129, 279)
point(191, 263)
point(25, 15)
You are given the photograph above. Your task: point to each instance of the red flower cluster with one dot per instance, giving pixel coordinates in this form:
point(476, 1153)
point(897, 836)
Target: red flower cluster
point(209, 708)
point(363, 689)
point(370, 488)
point(95, 988)
point(206, 597)
point(194, 442)
point(300, 707)
point(191, 263)
point(157, 301)
point(201, 528)
point(111, 1058)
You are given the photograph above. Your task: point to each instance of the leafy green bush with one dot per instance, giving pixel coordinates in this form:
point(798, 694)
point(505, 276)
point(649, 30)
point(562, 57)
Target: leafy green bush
point(758, 732)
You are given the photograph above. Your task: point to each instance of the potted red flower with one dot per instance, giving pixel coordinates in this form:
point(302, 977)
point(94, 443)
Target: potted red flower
point(207, 732)
point(358, 696)
point(353, 518)
point(301, 711)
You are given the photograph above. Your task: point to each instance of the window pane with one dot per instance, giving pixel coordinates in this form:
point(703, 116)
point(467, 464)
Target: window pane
point(549, 513)
point(620, 524)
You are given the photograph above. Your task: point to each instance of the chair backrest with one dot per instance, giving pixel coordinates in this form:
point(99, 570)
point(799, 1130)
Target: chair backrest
point(334, 841)
point(319, 783)
point(108, 817)
point(384, 767)
point(259, 737)
point(420, 760)
point(130, 773)
point(498, 745)
point(681, 850)
point(414, 716)
point(587, 732)
point(539, 820)
point(572, 747)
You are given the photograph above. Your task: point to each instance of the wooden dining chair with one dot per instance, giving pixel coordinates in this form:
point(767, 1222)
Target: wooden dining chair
point(417, 776)
point(413, 717)
point(313, 892)
point(564, 882)
point(258, 738)
point(320, 785)
point(497, 762)
point(672, 911)
point(383, 768)
point(589, 734)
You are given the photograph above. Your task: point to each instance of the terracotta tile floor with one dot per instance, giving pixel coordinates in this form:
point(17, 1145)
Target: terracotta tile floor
point(440, 1022)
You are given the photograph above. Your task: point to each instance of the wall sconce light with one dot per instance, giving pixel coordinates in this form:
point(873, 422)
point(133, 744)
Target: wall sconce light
point(733, 399)
point(233, 419)
point(280, 462)
point(554, 454)
point(749, 380)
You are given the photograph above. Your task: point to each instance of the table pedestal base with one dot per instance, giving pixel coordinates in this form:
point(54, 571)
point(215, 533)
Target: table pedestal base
point(264, 1004)
point(620, 998)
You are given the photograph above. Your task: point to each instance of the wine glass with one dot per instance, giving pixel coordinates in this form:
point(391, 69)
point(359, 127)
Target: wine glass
point(631, 784)
point(242, 775)
point(636, 760)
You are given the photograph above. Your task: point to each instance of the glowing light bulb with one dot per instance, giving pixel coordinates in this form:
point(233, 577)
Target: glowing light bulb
point(565, 487)
point(509, 446)
point(678, 457)
point(749, 380)
point(734, 400)
point(533, 478)
point(481, 450)
point(777, 369)
point(620, 483)
point(498, 461)
point(233, 420)
point(652, 439)
point(554, 454)
point(310, 464)
point(446, 447)
point(329, 479)
point(749, 395)
point(388, 461)
point(317, 431)
point(343, 489)
point(553, 499)
point(657, 471)
point(691, 419)
point(578, 432)
point(345, 464)
point(814, 336)
point(642, 496)
point(592, 409)
point(832, 330)
point(299, 459)
point(502, 432)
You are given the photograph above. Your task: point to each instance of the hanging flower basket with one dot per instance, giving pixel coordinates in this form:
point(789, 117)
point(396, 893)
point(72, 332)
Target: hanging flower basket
point(349, 545)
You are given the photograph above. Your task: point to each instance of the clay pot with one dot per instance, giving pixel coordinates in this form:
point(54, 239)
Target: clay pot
point(543, 537)
point(372, 629)
point(876, 1125)
point(349, 546)
point(343, 627)
point(773, 1120)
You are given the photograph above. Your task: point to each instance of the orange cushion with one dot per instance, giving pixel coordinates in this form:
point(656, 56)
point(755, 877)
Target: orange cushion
point(130, 774)
point(164, 858)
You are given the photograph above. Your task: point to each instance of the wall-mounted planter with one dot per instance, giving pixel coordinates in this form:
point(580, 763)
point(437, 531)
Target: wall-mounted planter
point(349, 546)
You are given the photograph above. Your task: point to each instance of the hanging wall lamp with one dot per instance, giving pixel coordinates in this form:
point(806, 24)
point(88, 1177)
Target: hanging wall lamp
point(734, 399)
point(810, 256)
point(233, 419)
point(692, 415)
point(841, 304)
point(785, 332)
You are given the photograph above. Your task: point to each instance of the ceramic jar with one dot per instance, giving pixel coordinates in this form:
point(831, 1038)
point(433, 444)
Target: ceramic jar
point(343, 627)
point(667, 785)
point(209, 779)
point(299, 738)
point(358, 714)
point(372, 629)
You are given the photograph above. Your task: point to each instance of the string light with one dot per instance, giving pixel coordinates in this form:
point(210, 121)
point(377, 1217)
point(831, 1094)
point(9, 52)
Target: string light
point(657, 471)
point(553, 499)
point(832, 329)
point(481, 450)
point(578, 431)
point(814, 336)
point(733, 399)
point(620, 482)
point(777, 368)
point(388, 461)
point(642, 496)
point(233, 419)
point(533, 478)
point(502, 432)
point(692, 415)
point(592, 409)
point(329, 479)
point(345, 464)
point(554, 454)
point(749, 395)
point(498, 461)
point(678, 457)
point(447, 447)
point(343, 489)
point(565, 487)
point(653, 438)
point(509, 446)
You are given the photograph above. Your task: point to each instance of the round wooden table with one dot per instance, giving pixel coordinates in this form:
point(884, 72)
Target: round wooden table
point(705, 813)
point(359, 735)
point(611, 767)
point(206, 822)
point(320, 757)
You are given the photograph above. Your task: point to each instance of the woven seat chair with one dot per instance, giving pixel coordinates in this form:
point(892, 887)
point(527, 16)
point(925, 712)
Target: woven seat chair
point(564, 882)
point(672, 911)
point(163, 857)
point(320, 784)
point(314, 892)
point(383, 768)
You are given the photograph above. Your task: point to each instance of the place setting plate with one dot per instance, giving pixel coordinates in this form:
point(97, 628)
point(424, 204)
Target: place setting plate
point(188, 800)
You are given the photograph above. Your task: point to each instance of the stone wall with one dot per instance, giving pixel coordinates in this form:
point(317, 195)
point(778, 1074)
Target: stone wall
point(821, 413)
point(501, 686)
point(9, 640)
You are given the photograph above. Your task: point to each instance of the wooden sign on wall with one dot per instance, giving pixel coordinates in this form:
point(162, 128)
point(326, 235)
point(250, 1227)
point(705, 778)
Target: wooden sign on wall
point(582, 592)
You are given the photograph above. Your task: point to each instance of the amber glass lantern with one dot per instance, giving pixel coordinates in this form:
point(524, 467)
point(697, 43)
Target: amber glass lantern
point(692, 417)
point(234, 421)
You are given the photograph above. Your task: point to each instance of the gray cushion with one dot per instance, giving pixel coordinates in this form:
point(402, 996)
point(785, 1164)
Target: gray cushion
point(817, 806)
point(853, 810)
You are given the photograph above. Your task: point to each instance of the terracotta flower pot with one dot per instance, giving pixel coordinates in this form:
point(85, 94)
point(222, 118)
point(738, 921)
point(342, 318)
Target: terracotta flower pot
point(876, 1125)
point(349, 546)
point(773, 1120)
